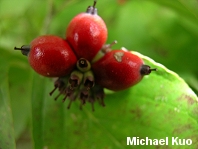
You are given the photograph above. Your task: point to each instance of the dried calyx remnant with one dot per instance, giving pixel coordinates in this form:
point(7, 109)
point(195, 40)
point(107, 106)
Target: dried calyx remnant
point(146, 70)
point(25, 49)
point(79, 85)
point(92, 9)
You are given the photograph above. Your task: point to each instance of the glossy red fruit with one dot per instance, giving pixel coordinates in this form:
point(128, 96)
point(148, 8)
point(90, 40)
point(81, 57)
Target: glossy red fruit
point(119, 69)
point(50, 56)
point(87, 33)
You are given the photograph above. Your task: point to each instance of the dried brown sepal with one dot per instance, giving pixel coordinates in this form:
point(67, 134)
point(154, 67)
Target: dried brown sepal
point(99, 94)
point(72, 98)
point(79, 85)
point(59, 84)
point(75, 79)
point(84, 96)
point(88, 80)
point(68, 93)
point(88, 83)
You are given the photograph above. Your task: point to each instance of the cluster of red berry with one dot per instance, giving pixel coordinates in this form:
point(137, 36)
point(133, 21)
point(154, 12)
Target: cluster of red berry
point(83, 63)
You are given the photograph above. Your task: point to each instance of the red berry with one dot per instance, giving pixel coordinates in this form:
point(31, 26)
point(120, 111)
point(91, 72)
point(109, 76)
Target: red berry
point(87, 33)
point(50, 56)
point(119, 69)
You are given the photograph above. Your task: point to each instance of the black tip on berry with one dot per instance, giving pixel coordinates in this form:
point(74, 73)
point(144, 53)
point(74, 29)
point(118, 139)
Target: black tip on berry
point(25, 49)
point(92, 9)
point(146, 70)
point(83, 65)
point(94, 4)
point(107, 47)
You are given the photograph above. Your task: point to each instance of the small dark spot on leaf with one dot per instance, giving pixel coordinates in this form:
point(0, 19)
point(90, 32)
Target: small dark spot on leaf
point(195, 110)
point(189, 99)
point(182, 129)
point(162, 52)
point(194, 138)
point(162, 147)
point(137, 112)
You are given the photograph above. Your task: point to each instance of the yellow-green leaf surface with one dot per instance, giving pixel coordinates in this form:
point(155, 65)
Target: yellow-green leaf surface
point(161, 105)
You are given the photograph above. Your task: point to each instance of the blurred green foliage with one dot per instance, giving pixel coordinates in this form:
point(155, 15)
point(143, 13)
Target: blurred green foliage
point(165, 30)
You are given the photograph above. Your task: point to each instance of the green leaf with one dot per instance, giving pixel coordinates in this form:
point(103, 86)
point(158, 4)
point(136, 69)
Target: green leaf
point(13, 10)
point(19, 80)
point(7, 140)
point(161, 105)
point(187, 9)
point(20, 94)
point(48, 116)
point(37, 107)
